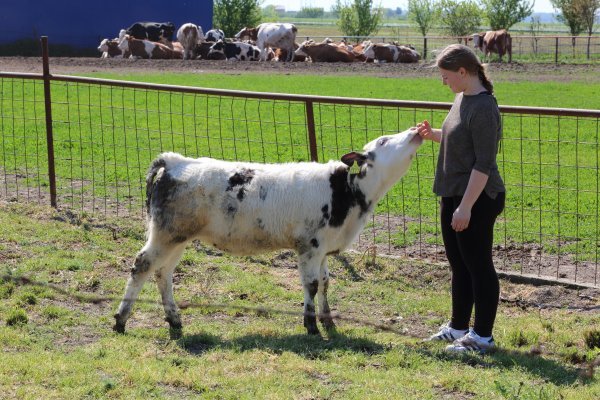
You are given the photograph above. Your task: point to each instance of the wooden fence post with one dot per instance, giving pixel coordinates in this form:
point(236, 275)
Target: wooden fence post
point(49, 133)
point(310, 125)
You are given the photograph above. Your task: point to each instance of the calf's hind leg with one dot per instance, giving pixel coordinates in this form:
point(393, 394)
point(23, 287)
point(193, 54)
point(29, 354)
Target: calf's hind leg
point(152, 257)
point(164, 280)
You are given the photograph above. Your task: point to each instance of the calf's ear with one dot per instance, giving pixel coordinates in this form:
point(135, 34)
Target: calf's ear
point(350, 158)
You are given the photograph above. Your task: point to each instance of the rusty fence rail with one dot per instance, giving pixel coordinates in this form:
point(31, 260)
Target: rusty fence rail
point(85, 144)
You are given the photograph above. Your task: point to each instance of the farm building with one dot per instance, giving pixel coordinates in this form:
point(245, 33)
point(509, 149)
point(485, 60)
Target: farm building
point(81, 25)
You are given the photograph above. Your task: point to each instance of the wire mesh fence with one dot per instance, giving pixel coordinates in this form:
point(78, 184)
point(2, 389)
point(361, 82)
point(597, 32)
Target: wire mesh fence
point(105, 134)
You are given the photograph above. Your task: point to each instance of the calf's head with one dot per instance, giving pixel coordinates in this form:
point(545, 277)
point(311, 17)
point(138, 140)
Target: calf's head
point(383, 162)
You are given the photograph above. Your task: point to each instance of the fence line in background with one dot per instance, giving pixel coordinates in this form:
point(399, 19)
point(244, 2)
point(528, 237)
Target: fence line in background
point(104, 133)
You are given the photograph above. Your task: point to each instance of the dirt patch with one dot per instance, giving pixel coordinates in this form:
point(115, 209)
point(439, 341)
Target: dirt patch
point(501, 71)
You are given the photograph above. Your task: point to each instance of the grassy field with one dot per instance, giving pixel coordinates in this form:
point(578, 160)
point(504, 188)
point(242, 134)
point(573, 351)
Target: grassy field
point(55, 346)
point(105, 138)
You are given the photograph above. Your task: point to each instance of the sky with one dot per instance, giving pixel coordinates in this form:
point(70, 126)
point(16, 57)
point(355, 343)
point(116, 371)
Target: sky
point(295, 5)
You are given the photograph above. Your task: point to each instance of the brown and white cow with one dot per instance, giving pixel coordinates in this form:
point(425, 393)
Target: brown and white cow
point(498, 42)
point(323, 52)
point(147, 49)
point(110, 49)
point(190, 35)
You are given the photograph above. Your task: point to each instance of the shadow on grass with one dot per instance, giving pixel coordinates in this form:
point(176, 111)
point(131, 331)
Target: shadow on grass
point(308, 346)
point(547, 369)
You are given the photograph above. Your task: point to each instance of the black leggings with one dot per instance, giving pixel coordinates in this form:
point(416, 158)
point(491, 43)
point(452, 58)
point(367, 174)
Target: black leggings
point(474, 279)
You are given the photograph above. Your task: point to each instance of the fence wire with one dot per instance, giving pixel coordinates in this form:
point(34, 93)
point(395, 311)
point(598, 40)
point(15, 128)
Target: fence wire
point(106, 133)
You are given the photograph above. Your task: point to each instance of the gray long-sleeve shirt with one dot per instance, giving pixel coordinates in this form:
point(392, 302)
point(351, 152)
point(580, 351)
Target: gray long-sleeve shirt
point(471, 133)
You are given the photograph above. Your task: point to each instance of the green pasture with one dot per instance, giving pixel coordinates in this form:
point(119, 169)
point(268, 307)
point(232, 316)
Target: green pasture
point(106, 137)
point(242, 340)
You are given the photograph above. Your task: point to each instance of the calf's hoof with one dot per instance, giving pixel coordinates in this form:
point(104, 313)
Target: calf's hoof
point(328, 323)
point(119, 326)
point(310, 323)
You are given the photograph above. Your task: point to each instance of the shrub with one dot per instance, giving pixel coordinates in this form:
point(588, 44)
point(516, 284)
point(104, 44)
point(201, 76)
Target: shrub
point(592, 338)
point(16, 317)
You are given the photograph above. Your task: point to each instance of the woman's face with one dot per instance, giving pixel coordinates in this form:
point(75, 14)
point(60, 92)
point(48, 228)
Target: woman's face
point(454, 79)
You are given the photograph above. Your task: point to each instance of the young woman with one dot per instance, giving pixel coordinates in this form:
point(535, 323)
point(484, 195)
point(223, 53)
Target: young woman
point(472, 196)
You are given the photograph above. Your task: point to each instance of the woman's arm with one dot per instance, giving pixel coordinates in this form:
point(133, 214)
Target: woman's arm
point(462, 215)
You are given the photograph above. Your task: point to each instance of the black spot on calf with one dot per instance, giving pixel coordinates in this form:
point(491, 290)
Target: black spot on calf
point(344, 196)
point(314, 242)
point(240, 178)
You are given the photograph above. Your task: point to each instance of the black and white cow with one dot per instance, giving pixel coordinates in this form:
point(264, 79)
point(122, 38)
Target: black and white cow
point(248, 208)
point(235, 51)
point(152, 31)
point(214, 35)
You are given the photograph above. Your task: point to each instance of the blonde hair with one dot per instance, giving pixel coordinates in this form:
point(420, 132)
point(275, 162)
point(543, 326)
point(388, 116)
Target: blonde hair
point(457, 56)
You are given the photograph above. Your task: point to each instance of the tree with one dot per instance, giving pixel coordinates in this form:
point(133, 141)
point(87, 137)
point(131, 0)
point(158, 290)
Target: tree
point(423, 13)
point(460, 18)
point(587, 9)
point(311, 12)
point(569, 16)
point(359, 19)
point(502, 14)
point(233, 15)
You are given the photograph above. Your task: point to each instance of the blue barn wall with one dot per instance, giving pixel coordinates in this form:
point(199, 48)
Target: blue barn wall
point(83, 24)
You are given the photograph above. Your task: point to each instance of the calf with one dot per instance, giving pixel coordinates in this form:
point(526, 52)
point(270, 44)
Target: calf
point(248, 208)
point(152, 31)
point(276, 35)
point(189, 35)
point(235, 51)
point(323, 52)
point(110, 49)
point(498, 42)
point(214, 35)
point(147, 49)
point(382, 52)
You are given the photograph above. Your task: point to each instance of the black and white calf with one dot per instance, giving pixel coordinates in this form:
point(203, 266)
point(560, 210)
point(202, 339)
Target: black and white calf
point(247, 208)
point(214, 35)
point(235, 51)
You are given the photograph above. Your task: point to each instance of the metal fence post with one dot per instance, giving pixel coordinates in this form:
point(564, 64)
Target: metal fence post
point(424, 48)
point(556, 50)
point(312, 137)
point(49, 133)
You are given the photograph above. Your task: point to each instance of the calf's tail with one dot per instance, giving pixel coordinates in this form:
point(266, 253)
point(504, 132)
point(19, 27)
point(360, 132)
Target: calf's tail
point(155, 167)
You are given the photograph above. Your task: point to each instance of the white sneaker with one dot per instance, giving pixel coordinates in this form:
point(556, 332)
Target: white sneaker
point(472, 342)
point(448, 334)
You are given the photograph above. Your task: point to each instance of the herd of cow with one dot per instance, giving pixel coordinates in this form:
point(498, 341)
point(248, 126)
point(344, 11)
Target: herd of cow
point(266, 42)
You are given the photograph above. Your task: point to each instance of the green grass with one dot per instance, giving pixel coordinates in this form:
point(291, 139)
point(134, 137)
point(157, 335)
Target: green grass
point(57, 347)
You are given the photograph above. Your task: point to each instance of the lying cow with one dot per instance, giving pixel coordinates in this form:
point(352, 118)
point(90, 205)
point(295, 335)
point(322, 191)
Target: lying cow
point(110, 49)
point(214, 35)
point(147, 49)
point(235, 51)
point(152, 31)
point(203, 49)
point(324, 52)
point(498, 42)
point(190, 35)
point(248, 208)
point(391, 53)
point(275, 35)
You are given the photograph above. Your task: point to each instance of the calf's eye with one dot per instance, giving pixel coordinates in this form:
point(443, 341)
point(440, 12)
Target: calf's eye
point(382, 141)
